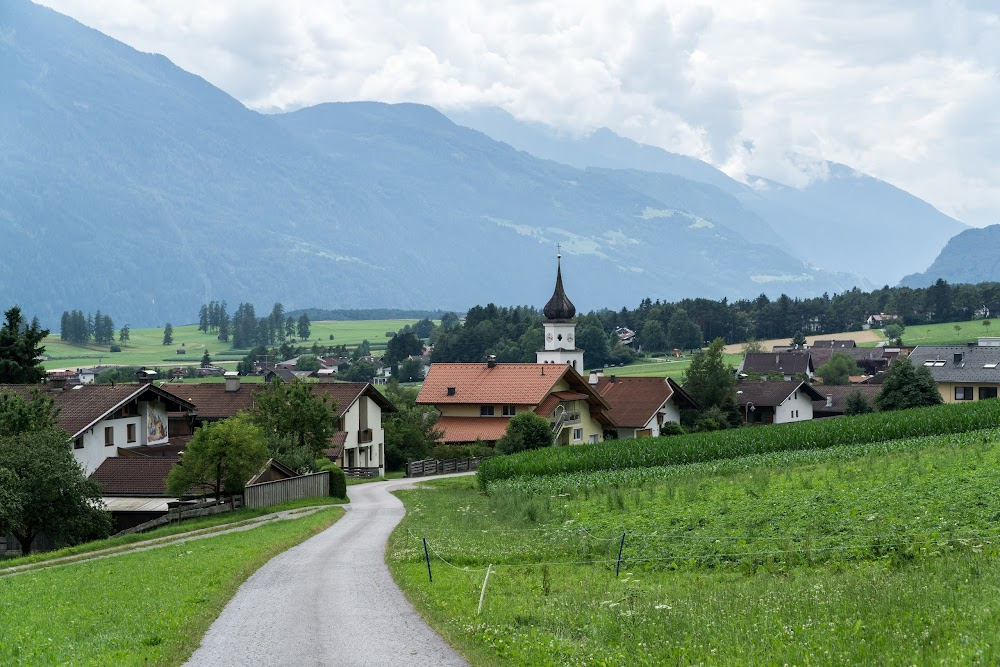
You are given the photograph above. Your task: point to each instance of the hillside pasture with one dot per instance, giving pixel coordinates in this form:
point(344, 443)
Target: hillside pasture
point(946, 334)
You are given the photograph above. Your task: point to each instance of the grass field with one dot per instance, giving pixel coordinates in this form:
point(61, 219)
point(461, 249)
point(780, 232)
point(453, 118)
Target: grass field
point(864, 554)
point(669, 367)
point(147, 608)
point(220, 521)
point(947, 334)
point(145, 346)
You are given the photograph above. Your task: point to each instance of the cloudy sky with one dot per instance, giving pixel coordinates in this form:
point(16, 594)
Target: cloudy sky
point(905, 90)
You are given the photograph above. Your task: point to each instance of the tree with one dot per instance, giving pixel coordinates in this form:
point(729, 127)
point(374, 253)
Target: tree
point(424, 328)
point(294, 409)
point(907, 386)
point(753, 346)
point(20, 414)
point(987, 323)
point(410, 370)
point(168, 334)
point(709, 380)
point(20, 349)
point(410, 432)
point(308, 362)
point(525, 431)
point(206, 359)
point(894, 331)
point(682, 333)
point(594, 342)
point(359, 371)
point(857, 404)
point(123, 334)
point(401, 346)
point(303, 327)
point(799, 340)
point(223, 456)
point(838, 369)
point(652, 337)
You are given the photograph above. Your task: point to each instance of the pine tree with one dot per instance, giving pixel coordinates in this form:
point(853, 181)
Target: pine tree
point(168, 334)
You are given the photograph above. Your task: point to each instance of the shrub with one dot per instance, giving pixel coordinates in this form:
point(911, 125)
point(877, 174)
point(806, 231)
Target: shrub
point(338, 480)
point(445, 452)
point(525, 431)
point(671, 428)
point(114, 348)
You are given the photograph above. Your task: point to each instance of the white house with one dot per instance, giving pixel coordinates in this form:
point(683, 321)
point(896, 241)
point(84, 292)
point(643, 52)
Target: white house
point(762, 402)
point(640, 406)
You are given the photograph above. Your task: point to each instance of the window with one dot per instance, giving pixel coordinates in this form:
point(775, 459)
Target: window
point(593, 438)
point(486, 411)
point(109, 436)
point(987, 392)
point(130, 432)
point(78, 443)
point(577, 435)
point(509, 410)
point(963, 394)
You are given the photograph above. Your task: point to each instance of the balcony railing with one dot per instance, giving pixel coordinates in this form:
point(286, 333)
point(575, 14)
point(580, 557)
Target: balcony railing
point(365, 435)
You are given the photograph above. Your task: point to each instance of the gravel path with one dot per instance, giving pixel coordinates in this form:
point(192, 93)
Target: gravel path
point(329, 601)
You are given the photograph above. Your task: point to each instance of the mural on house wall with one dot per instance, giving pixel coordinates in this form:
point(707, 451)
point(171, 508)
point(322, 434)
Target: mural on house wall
point(156, 426)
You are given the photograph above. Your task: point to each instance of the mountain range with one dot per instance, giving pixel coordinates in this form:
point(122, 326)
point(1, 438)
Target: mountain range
point(969, 257)
point(134, 187)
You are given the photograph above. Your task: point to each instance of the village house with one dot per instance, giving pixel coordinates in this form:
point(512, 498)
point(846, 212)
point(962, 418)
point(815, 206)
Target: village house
point(962, 372)
point(103, 419)
point(640, 406)
point(789, 365)
point(776, 402)
point(359, 441)
point(834, 402)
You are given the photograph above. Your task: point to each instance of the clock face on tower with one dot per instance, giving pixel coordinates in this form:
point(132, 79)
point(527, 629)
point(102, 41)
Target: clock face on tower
point(548, 337)
point(569, 338)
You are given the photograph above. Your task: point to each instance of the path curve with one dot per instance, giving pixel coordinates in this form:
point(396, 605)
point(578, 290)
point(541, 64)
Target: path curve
point(329, 601)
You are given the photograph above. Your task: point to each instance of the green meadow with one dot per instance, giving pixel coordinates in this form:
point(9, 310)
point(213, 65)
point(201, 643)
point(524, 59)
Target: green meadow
point(948, 334)
point(663, 367)
point(881, 552)
point(146, 608)
point(145, 346)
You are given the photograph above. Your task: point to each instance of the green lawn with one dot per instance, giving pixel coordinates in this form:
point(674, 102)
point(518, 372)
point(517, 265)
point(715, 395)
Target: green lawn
point(148, 608)
point(220, 521)
point(879, 555)
point(145, 346)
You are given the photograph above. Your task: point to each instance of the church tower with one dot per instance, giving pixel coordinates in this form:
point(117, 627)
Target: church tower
point(560, 330)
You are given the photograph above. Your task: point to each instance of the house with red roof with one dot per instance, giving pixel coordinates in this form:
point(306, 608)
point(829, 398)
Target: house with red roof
point(477, 401)
point(640, 406)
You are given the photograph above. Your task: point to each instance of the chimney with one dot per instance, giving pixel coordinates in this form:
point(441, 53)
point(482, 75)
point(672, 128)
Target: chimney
point(57, 383)
point(958, 357)
point(829, 400)
point(614, 378)
point(593, 377)
point(232, 381)
point(451, 391)
point(491, 361)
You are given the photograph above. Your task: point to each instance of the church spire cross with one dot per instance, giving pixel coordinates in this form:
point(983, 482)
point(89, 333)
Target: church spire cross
point(559, 307)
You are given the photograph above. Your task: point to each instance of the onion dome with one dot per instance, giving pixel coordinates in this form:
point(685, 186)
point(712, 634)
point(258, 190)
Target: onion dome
point(559, 306)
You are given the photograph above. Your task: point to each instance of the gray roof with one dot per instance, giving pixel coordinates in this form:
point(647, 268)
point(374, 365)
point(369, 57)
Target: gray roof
point(959, 363)
point(774, 393)
point(786, 363)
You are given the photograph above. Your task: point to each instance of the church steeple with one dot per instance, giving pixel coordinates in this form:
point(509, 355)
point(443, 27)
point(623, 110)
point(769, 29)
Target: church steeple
point(559, 307)
point(560, 330)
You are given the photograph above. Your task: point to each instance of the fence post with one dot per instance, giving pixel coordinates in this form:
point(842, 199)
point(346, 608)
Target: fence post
point(483, 592)
point(620, 550)
point(427, 555)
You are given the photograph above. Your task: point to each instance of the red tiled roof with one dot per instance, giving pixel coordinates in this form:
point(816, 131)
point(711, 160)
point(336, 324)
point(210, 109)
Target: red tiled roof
point(336, 447)
point(838, 395)
point(546, 407)
point(470, 429)
point(634, 400)
point(133, 476)
point(513, 384)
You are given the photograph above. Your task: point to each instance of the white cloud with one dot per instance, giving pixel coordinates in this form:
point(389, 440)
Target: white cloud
point(904, 92)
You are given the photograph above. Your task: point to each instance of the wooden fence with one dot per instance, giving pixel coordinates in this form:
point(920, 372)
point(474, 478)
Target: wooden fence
point(362, 473)
point(280, 491)
point(185, 511)
point(439, 467)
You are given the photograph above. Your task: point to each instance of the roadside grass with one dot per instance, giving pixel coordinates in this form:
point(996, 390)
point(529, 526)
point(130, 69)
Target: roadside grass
point(219, 521)
point(145, 346)
point(884, 554)
point(148, 608)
